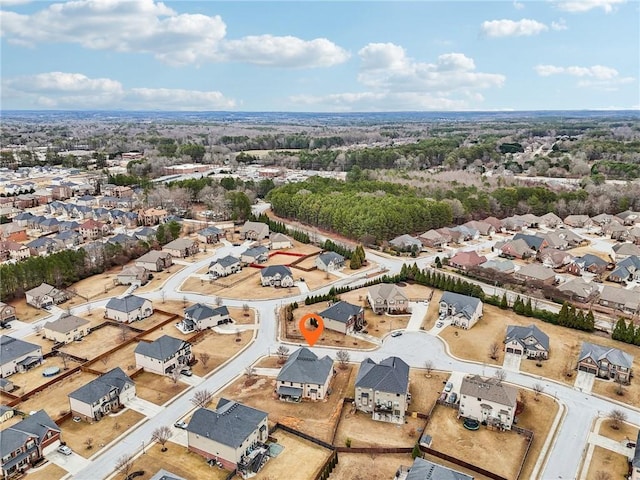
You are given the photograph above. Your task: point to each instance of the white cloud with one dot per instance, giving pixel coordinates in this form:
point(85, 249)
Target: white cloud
point(8, 3)
point(559, 25)
point(596, 76)
point(75, 90)
point(511, 28)
point(578, 6)
point(518, 5)
point(147, 26)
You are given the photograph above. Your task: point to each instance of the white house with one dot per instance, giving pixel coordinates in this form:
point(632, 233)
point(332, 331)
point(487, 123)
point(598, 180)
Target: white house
point(128, 309)
point(527, 341)
point(464, 311)
point(382, 389)
point(343, 317)
point(163, 355)
point(133, 275)
point(488, 400)
point(387, 298)
point(280, 241)
point(17, 355)
point(276, 276)
point(201, 316)
point(155, 260)
point(45, 295)
point(66, 329)
point(329, 261)
point(103, 395)
point(225, 266)
point(254, 231)
point(304, 375)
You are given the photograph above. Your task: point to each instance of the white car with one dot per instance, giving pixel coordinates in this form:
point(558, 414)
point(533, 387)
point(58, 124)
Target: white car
point(65, 450)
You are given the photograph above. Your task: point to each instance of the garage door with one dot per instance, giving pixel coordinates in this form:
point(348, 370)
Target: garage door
point(584, 368)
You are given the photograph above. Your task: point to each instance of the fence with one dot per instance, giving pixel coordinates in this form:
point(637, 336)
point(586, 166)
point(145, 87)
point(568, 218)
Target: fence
point(461, 463)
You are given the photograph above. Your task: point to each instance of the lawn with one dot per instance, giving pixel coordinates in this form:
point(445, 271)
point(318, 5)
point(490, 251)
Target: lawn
point(220, 348)
point(432, 312)
point(27, 313)
point(33, 378)
point(300, 456)
point(157, 389)
point(626, 431)
point(603, 460)
point(450, 437)
point(123, 358)
point(98, 342)
point(50, 472)
point(159, 278)
point(425, 391)
point(361, 466)
point(102, 433)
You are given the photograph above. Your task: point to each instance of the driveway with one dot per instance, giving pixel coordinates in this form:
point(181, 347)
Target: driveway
point(73, 463)
point(512, 362)
point(418, 312)
point(193, 380)
point(144, 407)
point(584, 381)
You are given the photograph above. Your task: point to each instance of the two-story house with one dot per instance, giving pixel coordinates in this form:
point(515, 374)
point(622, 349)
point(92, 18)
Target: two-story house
point(604, 362)
point(279, 241)
point(329, 261)
point(488, 400)
point(93, 229)
point(201, 316)
point(254, 231)
point(276, 276)
point(527, 341)
point(304, 375)
point(387, 298)
point(163, 355)
point(133, 274)
point(464, 311)
point(343, 317)
point(155, 260)
point(224, 266)
point(182, 247)
point(103, 395)
point(382, 389)
point(7, 313)
point(17, 355)
point(128, 309)
point(66, 329)
point(259, 254)
point(210, 235)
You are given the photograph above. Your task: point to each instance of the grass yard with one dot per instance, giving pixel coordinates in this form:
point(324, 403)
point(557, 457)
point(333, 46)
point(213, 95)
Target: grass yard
point(361, 466)
point(123, 358)
point(154, 320)
point(631, 393)
point(315, 418)
point(425, 391)
point(102, 432)
point(431, 317)
point(33, 378)
point(50, 472)
point(101, 285)
point(300, 456)
point(169, 329)
point(626, 431)
point(219, 347)
point(450, 437)
point(606, 461)
point(26, 313)
point(97, 342)
point(365, 432)
point(38, 339)
point(157, 389)
point(475, 475)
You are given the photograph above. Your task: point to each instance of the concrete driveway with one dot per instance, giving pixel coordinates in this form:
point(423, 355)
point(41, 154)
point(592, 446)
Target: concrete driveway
point(512, 362)
point(584, 381)
point(418, 312)
point(73, 463)
point(144, 407)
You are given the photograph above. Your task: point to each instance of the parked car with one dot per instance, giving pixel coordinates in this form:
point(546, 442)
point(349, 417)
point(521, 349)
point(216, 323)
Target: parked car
point(65, 450)
point(448, 387)
point(439, 324)
point(453, 397)
point(5, 325)
point(180, 424)
point(186, 372)
point(397, 333)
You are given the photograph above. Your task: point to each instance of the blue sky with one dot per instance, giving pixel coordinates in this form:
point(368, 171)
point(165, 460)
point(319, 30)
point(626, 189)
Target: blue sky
point(320, 55)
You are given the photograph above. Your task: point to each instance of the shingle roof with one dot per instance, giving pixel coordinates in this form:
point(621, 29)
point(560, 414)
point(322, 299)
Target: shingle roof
point(462, 303)
point(341, 311)
point(200, 311)
point(225, 261)
point(390, 375)
point(101, 386)
point(161, 348)
point(536, 272)
point(385, 291)
point(612, 355)
point(152, 256)
point(162, 474)
point(273, 270)
point(636, 456)
point(36, 425)
point(426, 470)
point(179, 244)
point(126, 304)
point(12, 348)
point(405, 241)
point(256, 251)
point(490, 389)
point(279, 237)
point(66, 323)
point(328, 257)
point(304, 366)
point(229, 424)
point(516, 332)
point(531, 240)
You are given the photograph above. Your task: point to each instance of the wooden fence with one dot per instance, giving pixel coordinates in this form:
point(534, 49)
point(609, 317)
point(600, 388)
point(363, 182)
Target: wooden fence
point(461, 463)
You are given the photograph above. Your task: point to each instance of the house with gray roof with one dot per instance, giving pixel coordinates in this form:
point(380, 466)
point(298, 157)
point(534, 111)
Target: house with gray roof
point(7, 313)
point(42, 246)
point(28, 441)
point(232, 434)
point(67, 239)
point(210, 235)
point(66, 329)
point(604, 362)
point(580, 290)
point(163, 355)
point(329, 261)
point(589, 263)
point(534, 242)
point(626, 270)
point(254, 231)
point(155, 260)
point(224, 266)
point(279, 241)
point(182, 247)
point(514, 249)
point(200, 316)
point(463, 310)
point(387, 298)
point(427, 470)
point(382, 389)
point(624, 250)
point(259, 254)
point(406, 242)
point(578, 221)
point(44, 295)
point(343, 317)
point(102, 395)
point(17, 355)
point(488, 400)
point(502, 266)
point(146, 234)
point(276, 276)
point(527, 341)
point(625, 300)
point(304, 375)
point(133, 275)
point(128, 309)
point(534, 272)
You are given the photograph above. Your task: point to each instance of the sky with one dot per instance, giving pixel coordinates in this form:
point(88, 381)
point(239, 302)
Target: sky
point(320, 56)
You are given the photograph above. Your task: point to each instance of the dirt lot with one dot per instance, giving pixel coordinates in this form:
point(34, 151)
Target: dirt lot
point(50, 472)
point(157, 389)
point(97, 342)
point(315, 418)
point(123, 358)
point(289, 460)
point(220, 347)
point(177, 460)
point(27, 313)
point(361, 466)
point(102, 432)
point(604, 460)
point(54, 399)
point(27, 381)
point(450, 437)
point(425, 391)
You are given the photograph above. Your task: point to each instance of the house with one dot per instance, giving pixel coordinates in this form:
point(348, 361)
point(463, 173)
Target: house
point(227, 435)
point(155, 261)
point(615, 230)
point(513, 224)
point(387, 298)
point(7, 313)
point(382, 389)
point(553, 257)
point(496, 223)
point(209, 235)
point(634, 235)
point(534, 272)
point(18, 356)
point(343, 317)
point(152, 216)
point(627, 301)
point(635, 461)
point(527, 341)
point(578, 221)
point(514, 249)
point(604, 362)
point(534, 242)
point(329, 261)
point(589, 263)
point(259, 254)
point(146, 234)
point(624, 250)
point(103, 395)
point(602, 219)
point(125, 241)
point(93, 229)
point(66, 329)
point(254, 231)
point(406, 243)
point(578, 289)
point(42, 246)
point(6, 413)
point(427, 470)
point(280, 241)
point(224, 266)
point(128, 309)
point(304, 375)
point(484, 228)
point(48, 225)
point(276, 276)
point(45, 295)
point(163, 355)
point(14, 231)
point(182, 247)
point(67, 239)
point(6, 385)
point(27, 442)
point(632, 265)
point(550, 220)
point(488, 400)
point(15, 250)
point(201, 316)
point(466, 260)
point(466, 233)
point(465, 311)
point(629, 217)
point(501, 266)
point(433, 239)
point(133, 275)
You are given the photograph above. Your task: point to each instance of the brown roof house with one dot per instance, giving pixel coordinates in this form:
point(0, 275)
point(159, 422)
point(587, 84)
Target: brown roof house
point(580, 290)
point(182, 247)
point(155, 260)
point(254, 231)
point(578, 221)
point(627, 301)
point(66, 329)
point(133, 275)
point(433, 239)
point(514, 249)
point(465, 260)
point(45, 295)
point(605, 362)
point(534, 272)
point(92, 229)
point(7, 313)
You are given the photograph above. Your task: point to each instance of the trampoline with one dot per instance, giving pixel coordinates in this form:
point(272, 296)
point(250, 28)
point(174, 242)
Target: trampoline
point(50, 371)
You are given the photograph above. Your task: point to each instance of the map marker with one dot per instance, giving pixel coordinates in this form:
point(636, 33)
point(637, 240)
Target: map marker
point(311, 336)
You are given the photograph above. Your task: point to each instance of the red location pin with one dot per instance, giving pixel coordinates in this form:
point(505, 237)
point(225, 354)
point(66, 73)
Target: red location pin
point(311, 336)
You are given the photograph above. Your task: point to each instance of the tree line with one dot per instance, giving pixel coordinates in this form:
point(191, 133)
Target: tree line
point(626, 332)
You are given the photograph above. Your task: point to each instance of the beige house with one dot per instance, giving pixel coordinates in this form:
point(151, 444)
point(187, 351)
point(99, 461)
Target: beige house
point(163, 355)
point(7, 313)
point(279, 241)
point(17, 355)
point(488, 400)
point(387, 298)
point(133, 275)
point(609, 363)
point(128, 309)
point(66, 329)
point(304, 375)
point(45, 295)
point(232, 434)
point(5, 413)
point(103, 395)
point(182, 247)
point(382, 389)
point(343, 317)
point(152, 216)
point(254, 231)
point(464, 311)
point(155, 260)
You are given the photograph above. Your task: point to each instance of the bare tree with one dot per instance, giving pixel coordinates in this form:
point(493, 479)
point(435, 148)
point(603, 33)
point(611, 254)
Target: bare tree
point(65, 359)
point(428, 365)
point(283, 353)
point(123, 332)
point(494, 348)
point(245, 309)
point(250, 371)
point(105, 359)
point(162, 435)
point(343, 357)
point(204, 357)
point(88, 443)
point(218, 301)
point(37, 328)
point(175, 376)
point(201, 398)
point(617, 417)
point(124, 464)
point(89, 308)
point(538, 388)
point(500, 375)
point(184, 300)
point(601, 475)
point(620, 389)
point(163, 295)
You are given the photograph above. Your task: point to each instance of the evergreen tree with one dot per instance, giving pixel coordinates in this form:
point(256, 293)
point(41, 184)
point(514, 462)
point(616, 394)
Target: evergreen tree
point(504, 303)
point(528, 309)
point(620, 330)
point(589, 322)
point(563, 315)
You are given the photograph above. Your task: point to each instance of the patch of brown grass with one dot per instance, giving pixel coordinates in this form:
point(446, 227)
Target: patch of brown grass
point(604, 460)
point(50, 472)
point(157, 389)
